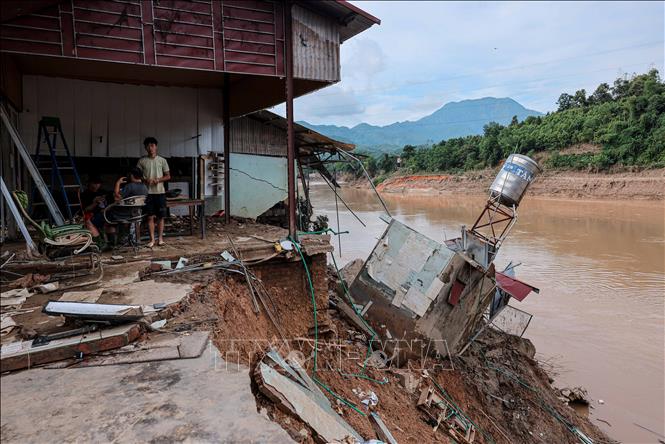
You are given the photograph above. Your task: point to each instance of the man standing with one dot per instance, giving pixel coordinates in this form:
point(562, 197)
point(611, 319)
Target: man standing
point(155, 172)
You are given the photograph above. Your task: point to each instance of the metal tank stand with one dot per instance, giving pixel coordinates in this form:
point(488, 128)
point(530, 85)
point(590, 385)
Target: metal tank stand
point(495, 222)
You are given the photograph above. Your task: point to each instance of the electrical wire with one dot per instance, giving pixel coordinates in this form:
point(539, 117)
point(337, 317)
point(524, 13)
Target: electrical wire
point(316, 334)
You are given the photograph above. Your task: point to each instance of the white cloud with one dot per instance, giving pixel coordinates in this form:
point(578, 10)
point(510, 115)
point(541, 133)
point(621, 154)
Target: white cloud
point(425, 54)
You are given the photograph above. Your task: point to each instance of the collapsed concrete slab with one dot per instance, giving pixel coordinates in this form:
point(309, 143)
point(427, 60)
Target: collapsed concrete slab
point(203, 399)
point(426, 297)
point(295, 392)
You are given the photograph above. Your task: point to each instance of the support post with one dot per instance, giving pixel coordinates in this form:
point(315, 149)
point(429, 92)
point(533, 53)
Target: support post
point(290, 134)
point(226, 119)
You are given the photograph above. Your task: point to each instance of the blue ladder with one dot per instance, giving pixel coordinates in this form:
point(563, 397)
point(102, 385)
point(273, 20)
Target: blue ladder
point(66, 177)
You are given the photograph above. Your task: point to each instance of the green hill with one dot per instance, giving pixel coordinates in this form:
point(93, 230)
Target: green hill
point(454, 119)
point(627, 120)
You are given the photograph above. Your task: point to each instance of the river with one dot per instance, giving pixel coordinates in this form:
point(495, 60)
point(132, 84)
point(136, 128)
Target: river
point(599, 318)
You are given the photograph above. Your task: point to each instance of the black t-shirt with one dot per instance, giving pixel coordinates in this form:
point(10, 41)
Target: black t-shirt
point(87, 197)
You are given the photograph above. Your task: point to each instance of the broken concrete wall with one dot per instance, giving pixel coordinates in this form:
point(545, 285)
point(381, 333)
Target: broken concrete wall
point(421, 290)
point(455, 323)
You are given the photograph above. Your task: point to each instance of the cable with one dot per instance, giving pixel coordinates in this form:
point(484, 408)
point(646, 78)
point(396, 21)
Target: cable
point(316, 334)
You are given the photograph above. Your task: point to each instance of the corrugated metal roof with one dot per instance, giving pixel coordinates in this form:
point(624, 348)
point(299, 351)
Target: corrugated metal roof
point(315, 46)
point(353, 19)
point(308, 142)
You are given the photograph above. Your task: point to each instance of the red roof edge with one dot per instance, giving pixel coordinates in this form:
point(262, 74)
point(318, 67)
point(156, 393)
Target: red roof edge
point(516, 288)
point(357, 10)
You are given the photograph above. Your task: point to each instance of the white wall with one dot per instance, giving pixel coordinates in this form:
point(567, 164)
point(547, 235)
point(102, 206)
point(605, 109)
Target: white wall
point(257, 183)
point(101, 119)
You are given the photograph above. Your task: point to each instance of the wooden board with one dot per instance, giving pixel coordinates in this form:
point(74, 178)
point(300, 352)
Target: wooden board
point(18, 355)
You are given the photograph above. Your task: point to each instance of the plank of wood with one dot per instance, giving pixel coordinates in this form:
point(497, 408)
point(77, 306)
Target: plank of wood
point(18, 355)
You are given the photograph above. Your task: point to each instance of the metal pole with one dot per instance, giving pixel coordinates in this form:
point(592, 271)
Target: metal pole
point(226, 119)
point(32, 248)
point(290, 135)
point(34, 172)
point(337, 196)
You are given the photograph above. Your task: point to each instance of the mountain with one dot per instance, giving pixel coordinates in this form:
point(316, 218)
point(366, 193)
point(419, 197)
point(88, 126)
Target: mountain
point(454, 119)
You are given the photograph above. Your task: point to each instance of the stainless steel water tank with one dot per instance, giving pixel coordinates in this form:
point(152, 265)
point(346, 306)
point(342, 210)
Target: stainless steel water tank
point(511, 183)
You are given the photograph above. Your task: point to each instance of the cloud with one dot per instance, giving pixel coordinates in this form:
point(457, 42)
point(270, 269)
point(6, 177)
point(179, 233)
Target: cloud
point(425, 54)
point(339, 106)
point(362, 60)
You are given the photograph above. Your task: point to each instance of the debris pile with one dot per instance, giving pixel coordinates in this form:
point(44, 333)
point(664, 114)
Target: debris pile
point(410, 351)
point(44, 321)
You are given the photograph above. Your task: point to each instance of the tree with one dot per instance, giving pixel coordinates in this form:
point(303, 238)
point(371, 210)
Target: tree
point(387, 163)
point(565, 101)
point(370, 165)
point(580, 98)
point(620, 88)
point(408, 151)
point(514, 121)
point(602, 94)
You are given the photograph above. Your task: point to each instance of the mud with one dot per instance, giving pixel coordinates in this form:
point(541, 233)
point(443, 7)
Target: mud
point(498, 384)
point(643, 185)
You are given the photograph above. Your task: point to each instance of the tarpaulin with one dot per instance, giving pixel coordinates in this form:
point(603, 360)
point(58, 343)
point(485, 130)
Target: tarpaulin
point(514, 287)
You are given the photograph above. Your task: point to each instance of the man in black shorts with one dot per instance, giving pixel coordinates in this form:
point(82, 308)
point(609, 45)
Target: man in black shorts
point(155, 172)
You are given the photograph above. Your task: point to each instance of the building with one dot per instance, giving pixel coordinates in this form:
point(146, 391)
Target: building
point(115, 72)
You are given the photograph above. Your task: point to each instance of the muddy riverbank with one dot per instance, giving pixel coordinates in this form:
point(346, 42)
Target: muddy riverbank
point(643, 185)
point(598, 320)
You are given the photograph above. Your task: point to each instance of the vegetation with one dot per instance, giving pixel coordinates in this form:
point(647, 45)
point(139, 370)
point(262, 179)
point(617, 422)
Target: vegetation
point(627, 120)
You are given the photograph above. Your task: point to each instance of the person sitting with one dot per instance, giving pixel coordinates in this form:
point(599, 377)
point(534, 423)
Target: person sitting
point(93, 202)
point(133, 186)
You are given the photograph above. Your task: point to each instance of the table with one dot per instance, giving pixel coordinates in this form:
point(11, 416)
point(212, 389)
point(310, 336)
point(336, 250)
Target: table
point(191, 204)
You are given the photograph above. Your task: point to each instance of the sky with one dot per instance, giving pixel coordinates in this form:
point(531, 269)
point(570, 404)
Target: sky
point(425, 54)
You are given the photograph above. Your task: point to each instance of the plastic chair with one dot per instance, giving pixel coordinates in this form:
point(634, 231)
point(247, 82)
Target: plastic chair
point(127, 211)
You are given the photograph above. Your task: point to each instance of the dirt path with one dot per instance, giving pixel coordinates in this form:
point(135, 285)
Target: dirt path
point(644, 185)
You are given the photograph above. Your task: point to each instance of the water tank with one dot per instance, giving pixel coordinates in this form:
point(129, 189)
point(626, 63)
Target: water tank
point(514, 178)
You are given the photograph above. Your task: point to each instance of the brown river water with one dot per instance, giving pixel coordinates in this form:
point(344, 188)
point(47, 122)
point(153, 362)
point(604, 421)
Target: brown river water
point(599, 318)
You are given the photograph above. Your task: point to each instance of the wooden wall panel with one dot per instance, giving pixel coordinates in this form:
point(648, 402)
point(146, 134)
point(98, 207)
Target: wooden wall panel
point(99, 122)
point(133, 139)
point(28, 119)
point(179, 34)
point(83, 106)
point(103, 119)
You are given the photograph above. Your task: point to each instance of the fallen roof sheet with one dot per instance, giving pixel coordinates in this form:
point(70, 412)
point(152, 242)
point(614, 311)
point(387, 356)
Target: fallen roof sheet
point(162, 347)
point(514, 287)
